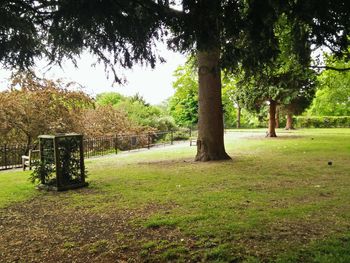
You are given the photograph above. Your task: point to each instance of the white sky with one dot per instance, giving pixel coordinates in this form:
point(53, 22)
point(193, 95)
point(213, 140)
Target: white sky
point(154, 85)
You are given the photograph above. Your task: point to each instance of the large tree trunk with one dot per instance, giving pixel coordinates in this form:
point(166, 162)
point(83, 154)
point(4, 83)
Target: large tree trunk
point(272, 120)
point(210, 142)
point(289, 124)
point(238, 117)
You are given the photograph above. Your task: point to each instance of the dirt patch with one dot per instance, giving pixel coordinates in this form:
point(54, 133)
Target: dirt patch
point(46, 230)
point(165, 163)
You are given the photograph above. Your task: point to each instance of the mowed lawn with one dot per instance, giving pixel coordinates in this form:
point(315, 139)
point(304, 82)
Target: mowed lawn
point(278, 200)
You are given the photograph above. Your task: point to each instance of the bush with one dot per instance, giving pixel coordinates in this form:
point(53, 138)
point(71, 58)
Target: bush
point(322, 122)
point(179, 135)
point(42, 172)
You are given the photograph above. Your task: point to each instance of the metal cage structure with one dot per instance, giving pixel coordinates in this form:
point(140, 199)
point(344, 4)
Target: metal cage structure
point(65, 153)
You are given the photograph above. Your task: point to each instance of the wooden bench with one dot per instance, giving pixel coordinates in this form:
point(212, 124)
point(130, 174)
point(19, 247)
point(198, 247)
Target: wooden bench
point(28, 159)
point(193, 141)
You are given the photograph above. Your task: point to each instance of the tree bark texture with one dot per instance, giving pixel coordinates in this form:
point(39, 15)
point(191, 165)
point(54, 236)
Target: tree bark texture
point(210, 142)
point(272, 120)
point(238, 117)
point(289, 124)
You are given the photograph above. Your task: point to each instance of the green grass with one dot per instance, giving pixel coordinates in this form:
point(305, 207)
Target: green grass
point(277, 200)
point(15, 187)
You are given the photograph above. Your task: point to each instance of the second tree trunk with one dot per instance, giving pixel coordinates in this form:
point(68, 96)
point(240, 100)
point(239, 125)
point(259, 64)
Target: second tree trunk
point(289, 124)
point(272, 119)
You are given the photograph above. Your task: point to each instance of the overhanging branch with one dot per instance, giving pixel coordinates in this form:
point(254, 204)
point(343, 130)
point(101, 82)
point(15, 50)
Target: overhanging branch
point(331, 68)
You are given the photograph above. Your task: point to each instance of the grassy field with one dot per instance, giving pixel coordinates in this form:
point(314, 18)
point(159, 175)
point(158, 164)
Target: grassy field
point(278, 200)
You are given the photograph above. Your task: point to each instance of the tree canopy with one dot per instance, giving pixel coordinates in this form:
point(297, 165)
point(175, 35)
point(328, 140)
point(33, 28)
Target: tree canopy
point(124, 32)
point(32, 106)
point(223, 33)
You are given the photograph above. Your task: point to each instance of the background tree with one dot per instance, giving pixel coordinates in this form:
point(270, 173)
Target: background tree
point(183, 105)
point(284, 80)
point(138, 110)
point(32, 106)
point(107, 120)
point(231, 99)
point(333, 93)
point(297, 104)
point(109, 98)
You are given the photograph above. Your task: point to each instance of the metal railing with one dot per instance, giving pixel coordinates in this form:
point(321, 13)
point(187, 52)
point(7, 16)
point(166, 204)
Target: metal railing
point(11, 155)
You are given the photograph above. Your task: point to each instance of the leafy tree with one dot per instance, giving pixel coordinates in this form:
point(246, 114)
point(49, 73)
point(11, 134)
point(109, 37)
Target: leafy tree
point(297, 105)
point(137, 110)
point(221, 33)
point(283, 82)
point(231, 99)
point(140, 99)
point(333, 94)
point(107, 120)
point(109, 98)
point(32, 106)
point(183, 105)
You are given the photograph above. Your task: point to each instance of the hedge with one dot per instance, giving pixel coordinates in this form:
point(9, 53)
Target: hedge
point(322, 122)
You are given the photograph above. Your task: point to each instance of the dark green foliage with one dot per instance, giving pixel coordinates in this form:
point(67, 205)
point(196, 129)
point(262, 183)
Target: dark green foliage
point(327, 21)
point(70, 160)
point(43, 172)
point(20, 41)
point(124, 32)
point(288, 81)
point(322, 122)
point(63, 29)
point(125, 29)
point(179, 135)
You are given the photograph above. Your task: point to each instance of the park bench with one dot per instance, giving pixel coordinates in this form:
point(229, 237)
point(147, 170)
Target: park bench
point(28, 159)
point(193, 141)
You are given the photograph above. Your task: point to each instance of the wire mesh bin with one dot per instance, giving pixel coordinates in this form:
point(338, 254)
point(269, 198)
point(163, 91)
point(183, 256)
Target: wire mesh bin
point(63, 154)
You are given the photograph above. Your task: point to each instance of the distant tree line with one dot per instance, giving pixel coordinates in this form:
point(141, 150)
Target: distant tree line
point(287, 86)
point(31, 106)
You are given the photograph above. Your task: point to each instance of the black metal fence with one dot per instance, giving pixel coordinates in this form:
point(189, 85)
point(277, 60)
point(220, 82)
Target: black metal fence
point(11, 155)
